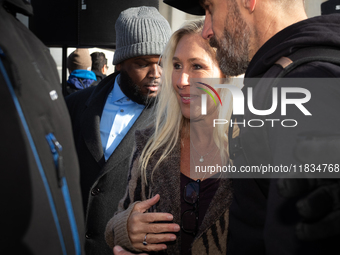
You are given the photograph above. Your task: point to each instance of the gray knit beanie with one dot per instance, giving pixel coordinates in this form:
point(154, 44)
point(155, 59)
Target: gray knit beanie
point(140, 31)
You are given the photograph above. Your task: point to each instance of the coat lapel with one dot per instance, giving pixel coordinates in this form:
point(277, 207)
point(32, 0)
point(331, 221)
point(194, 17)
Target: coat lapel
point(125, 147)
point(91, 118)
point(167, 185)
point(218, 205)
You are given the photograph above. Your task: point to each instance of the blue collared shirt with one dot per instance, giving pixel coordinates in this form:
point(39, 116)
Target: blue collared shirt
point(118, 116)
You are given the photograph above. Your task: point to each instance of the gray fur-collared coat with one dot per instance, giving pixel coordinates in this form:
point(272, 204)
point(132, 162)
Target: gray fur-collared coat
point(212, 235)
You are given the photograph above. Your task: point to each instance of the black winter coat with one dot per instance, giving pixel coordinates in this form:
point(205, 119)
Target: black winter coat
point(103, 183)
point(41, 209)
point(262, 221)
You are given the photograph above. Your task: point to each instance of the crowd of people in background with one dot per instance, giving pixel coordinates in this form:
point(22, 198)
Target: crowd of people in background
point(85, 69)
point(107, 169)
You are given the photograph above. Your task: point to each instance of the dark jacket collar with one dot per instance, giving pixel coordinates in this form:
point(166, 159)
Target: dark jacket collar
point(102, 90)
point(18, 6)
point(318, 31)
point(100, 76)
point(91, 124)
point(91, 118)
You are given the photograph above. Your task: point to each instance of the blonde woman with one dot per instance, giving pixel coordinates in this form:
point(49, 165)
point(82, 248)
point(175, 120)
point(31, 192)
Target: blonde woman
point(164, 209)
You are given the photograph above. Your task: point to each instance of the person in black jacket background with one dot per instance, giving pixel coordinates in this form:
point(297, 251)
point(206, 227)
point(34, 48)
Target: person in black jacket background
point(41, 207)
point(99, 65)
point(79, 65)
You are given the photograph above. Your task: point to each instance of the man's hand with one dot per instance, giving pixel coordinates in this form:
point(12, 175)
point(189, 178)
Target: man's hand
point(320, 206)
point(117, 250)
point(141, 224)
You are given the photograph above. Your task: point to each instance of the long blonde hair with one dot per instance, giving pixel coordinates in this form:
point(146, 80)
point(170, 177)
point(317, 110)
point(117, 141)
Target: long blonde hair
point(169, 120)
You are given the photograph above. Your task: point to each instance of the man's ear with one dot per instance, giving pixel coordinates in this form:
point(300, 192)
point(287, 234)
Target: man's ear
point(249, 5)
point(118, 67)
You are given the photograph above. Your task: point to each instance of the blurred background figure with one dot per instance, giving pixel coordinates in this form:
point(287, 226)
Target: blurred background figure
point(79, 66)
point(99, 66)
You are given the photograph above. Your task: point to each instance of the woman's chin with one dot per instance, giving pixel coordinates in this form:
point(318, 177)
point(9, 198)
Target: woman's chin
point(193, 118)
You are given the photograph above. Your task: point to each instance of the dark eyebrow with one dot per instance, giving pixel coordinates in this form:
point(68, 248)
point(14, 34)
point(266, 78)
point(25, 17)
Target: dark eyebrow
point(143, 59)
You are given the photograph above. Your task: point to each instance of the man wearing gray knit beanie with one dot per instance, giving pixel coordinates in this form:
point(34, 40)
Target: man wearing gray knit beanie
point(105, 117)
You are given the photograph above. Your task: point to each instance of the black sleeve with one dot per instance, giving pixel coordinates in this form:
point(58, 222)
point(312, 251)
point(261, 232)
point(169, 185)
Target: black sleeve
point(282, 216)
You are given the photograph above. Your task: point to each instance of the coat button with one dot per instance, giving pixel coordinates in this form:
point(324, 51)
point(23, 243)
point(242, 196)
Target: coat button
point(95, 191)
point(88, 236)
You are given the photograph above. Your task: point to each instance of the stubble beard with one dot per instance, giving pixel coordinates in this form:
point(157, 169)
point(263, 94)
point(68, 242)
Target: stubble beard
point(233, 48)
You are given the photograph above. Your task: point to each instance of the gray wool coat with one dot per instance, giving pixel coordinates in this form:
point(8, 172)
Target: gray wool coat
point(212, 235)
